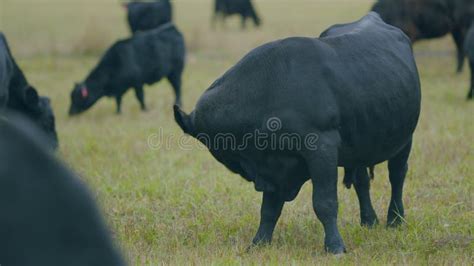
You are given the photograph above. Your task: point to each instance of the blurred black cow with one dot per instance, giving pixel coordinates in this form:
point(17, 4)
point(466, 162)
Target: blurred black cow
point(426, 19)
point(244, 8)
point(148, 15)
point(21, 97)
point(48, 217)
point(469, 48)
point(145, 58)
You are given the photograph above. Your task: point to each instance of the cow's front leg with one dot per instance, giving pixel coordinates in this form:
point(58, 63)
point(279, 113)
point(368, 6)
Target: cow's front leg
point(323, 169)
point(118, 100)
point(272, 205)
point(140, 94)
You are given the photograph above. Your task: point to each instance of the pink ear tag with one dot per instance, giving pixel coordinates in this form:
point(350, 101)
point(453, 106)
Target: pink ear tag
point(84, 92)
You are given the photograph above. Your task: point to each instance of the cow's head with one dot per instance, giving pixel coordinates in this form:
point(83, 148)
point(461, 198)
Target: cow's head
point(41, 113)
point(81, 99)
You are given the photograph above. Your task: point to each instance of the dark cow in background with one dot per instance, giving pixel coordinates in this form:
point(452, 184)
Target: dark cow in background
point(244, 8)
point(148, 15)
point(350, 98)
point(48, 215)
point(21, 97)
point(145, 58)
point(426, 19)
point(469, 47)
point(6, 71)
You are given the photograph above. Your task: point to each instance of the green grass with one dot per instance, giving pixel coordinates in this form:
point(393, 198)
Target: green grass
point(169, 206)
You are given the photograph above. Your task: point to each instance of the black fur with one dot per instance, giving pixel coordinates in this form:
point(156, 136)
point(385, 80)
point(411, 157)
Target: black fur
point(21, 97)
point(145, 58)
point(6, 71)
point(144, 16)
point(426, 19)
point(244, 8)
point(48, 216)
point(355, 91)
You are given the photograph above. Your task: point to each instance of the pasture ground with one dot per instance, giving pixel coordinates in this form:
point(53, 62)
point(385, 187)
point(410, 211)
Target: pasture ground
point(174, 206)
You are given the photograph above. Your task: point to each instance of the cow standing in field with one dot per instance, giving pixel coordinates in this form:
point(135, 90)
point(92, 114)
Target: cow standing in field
point(469, 49)
point(426, 19)
point(351, 98)
point(17, 95)
point(144, 16)
point(145, 58)
point(244, 8)
point(48, 217)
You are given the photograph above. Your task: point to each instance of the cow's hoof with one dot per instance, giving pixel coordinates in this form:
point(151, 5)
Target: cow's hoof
point(334, 246)
point(254, 246)
point(336, 250)
point(395, 222)
point(369, 221)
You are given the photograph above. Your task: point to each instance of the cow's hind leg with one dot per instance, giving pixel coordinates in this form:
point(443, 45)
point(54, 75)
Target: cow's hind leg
point(140, 97)
point(323, 170)
point(459, 36)
point(118, 100)
point(270, 211)
point(397, 168)
point(362, 187)
point(175, 80)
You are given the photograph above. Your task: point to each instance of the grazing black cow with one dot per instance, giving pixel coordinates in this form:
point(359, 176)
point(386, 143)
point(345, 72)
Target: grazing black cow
point(48, 216)
point(426, 19)
point(350, 98)
point(23, 98)
point(244, 8)
point(469, 49)
point(148, 15)
point(144, 58)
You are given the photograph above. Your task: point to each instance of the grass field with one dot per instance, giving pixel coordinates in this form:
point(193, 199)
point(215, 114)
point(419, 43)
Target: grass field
point(171, 206)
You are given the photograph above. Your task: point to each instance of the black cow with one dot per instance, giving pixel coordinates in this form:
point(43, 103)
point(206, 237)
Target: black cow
point(48, 215)
point(426, 19)
point(6, 71)
point(144, 58)
point(297, 108)
point(148, 15)
point(244, 8)
point(469, 49)
point(21, 97)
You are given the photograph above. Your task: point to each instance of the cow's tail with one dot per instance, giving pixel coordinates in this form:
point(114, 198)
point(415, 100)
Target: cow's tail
point(183, 120)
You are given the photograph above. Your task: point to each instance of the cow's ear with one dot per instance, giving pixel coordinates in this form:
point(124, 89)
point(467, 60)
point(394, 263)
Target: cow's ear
point(31, 97)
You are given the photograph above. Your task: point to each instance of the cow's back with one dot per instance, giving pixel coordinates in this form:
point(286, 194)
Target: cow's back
point(144, 58)
point(377, 88)
point(363, 83)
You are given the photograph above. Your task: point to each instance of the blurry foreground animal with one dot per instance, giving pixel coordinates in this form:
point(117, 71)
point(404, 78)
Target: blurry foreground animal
point(48, 217)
